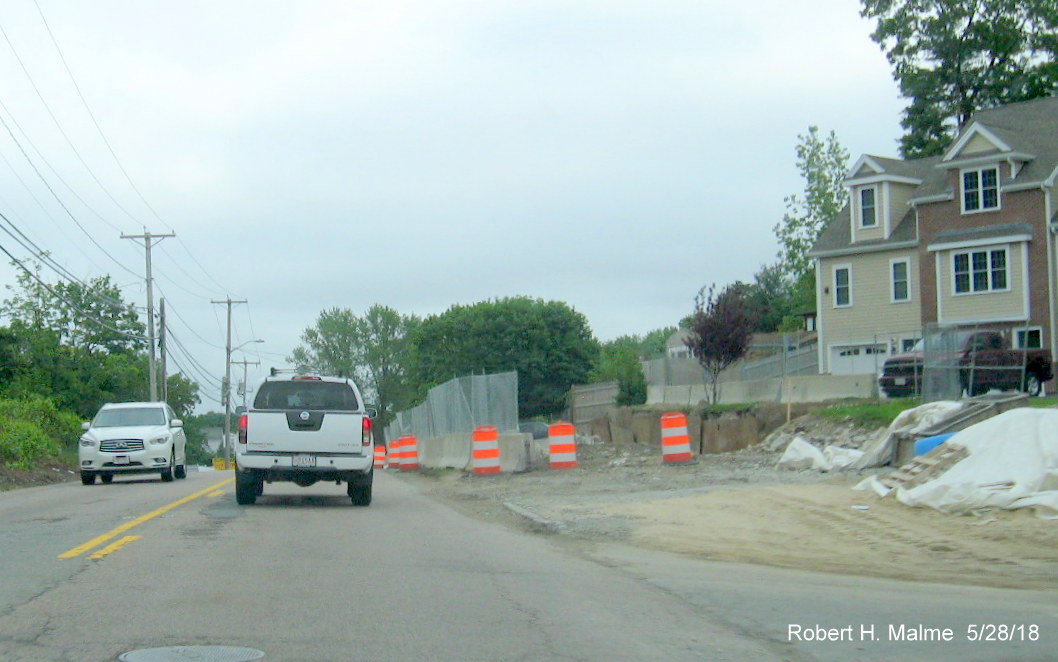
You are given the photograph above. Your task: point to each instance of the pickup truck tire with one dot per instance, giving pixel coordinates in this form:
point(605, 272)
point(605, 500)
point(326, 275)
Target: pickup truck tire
point(88, 479)
point(1033, 386)
point(360, 494)
point(247, 487)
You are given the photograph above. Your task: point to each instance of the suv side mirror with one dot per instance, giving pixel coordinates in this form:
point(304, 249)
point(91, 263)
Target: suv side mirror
point(176, 423)
point(85, 425)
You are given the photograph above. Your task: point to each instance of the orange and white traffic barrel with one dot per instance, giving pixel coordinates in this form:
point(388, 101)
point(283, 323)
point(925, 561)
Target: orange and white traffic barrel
point(409, 460)
point(562, 445)
point(380, 457)
point(675, 442)
point(395, 454)
point(485, 450)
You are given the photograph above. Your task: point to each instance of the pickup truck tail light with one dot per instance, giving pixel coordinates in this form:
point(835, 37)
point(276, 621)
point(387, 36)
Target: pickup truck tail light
point(242, 428)
point(367, 431)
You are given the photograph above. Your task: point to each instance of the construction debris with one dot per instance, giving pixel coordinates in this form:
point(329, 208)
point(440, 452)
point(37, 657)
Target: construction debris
point(1009, 462)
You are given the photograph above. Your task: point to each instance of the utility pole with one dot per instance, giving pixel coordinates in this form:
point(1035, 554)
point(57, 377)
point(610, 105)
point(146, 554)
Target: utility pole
point(147, 243)
point(245, 363)
point(161, 348)
point(226, 395)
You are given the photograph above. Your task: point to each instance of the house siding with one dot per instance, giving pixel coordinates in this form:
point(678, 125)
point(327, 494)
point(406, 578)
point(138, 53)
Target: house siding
point(938, 303)
point(982, 306)
point(872, 316)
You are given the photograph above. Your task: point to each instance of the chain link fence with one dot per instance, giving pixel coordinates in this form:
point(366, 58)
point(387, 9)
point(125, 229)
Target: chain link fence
point(971, 359)
point(461, 404)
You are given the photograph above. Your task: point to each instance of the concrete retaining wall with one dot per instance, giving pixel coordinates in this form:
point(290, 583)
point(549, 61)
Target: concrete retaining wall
point(715, 433)
point(813, 388)
point(453, 451)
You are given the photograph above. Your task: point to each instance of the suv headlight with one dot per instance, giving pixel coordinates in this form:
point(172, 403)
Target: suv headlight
point(158, 441)
point(85, 441)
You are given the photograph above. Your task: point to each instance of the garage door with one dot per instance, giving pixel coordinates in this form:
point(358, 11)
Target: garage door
point(857, 359)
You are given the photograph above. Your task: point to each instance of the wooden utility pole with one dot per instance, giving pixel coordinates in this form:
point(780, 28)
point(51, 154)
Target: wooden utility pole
point(226, 394)
point(147, 238)
point(161, 349)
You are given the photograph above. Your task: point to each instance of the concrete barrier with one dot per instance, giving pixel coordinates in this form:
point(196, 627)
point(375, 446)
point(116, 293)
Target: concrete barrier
point(453, 451)
point(810, 388)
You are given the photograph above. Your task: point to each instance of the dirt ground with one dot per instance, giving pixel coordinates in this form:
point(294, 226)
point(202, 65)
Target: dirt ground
point(741, 507)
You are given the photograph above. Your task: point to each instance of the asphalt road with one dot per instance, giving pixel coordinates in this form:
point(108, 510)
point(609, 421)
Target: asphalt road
point(92, 572)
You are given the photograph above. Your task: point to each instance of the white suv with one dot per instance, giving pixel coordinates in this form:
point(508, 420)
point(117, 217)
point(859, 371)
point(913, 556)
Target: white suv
point(133, 437)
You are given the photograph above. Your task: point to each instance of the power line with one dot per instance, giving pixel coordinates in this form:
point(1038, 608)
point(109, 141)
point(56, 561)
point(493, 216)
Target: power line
point(62, 132)
point(87, 315)
point(52, 191)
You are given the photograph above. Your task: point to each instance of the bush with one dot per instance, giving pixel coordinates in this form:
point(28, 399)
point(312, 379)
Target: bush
point(33, 429)
point(22, 443)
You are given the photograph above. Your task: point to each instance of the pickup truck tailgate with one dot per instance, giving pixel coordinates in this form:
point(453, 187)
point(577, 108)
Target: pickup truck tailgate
point(298, 431)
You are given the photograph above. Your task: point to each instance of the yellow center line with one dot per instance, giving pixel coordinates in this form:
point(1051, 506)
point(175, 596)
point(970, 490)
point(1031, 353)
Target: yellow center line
point(113, 547)
point(113, 533)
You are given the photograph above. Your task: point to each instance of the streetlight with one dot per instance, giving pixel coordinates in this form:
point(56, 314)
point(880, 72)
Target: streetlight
point(227, 399)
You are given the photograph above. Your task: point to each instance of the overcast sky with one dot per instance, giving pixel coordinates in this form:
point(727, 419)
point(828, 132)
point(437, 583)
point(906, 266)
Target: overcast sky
point(616, 155)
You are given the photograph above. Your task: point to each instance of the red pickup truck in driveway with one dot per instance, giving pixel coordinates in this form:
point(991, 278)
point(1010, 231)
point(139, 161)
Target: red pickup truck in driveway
point(985, 361)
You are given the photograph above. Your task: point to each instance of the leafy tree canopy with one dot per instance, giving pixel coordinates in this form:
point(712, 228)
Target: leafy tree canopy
point(619, 360)
point(823, 163)
point(373, 349)
point(548, 343)
point(954, 57)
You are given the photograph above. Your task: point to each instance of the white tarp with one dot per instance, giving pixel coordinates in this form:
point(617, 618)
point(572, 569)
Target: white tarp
point(801, 455)
point(1012, 463)
point(909, 421)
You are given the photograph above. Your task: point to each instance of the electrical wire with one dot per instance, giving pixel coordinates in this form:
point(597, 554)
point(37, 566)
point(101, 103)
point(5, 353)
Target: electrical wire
point(87, 315)
point(54, 194)
point(62, 132)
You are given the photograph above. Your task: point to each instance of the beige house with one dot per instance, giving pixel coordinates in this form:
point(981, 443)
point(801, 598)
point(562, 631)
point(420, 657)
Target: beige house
point(964, 238)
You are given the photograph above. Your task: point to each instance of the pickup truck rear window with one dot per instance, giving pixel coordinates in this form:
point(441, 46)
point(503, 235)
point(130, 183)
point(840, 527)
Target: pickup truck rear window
point(320, 396)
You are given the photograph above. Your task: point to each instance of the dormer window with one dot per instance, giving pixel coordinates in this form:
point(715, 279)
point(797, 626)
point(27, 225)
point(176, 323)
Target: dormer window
point(980, 189)
point(868, 208)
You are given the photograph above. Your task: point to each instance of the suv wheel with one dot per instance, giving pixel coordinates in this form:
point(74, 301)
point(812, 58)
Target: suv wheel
point(167, 473)
point(88, 479)
point(106, 478)
point(246, 488)
point(180, 471)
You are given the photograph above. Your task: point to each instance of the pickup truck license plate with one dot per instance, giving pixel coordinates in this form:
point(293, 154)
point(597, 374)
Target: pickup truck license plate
point(303, 460)
point(121, 459)
point(900, 381)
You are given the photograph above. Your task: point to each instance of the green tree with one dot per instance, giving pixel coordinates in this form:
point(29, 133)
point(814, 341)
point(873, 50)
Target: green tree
point(720, 331)
point(90, 316)
point(548, 343)
point(954, 57)
point(619, 360)
point(373, 349)
point(823, 163)
point(80, 345)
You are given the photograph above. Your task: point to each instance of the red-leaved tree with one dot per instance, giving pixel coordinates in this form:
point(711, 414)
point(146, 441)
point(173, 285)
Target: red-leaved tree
point(720, 330)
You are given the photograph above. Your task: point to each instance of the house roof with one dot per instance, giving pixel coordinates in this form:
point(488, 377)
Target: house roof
point(1029, 131)
point(982, 233)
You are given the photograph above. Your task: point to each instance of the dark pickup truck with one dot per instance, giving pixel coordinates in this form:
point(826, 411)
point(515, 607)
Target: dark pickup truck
point(985, 361)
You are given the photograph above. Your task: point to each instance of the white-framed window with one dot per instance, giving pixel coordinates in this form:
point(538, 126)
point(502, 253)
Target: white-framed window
point(983, 270)
point(980, 189)
point(868, 207)
point(1029, 337)
point(900, 280)
point(843, 286)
